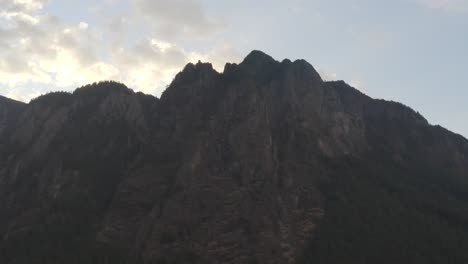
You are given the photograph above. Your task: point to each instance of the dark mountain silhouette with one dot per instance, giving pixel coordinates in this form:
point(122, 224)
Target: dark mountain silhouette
point(263, 163)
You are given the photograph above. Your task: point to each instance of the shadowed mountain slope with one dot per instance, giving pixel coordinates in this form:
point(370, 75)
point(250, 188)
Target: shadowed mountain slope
point(263, 163)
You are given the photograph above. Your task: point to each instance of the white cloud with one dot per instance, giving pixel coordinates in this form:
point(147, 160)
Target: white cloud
point(19, 17)
point(22, 95)
point(448, 5)
point(38, 50)
point(83, 25)
point(22, 5)
point(30, 4)
point(150, 65)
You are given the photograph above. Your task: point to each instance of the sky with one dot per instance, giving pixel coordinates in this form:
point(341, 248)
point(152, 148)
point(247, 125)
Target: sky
point(411, 51)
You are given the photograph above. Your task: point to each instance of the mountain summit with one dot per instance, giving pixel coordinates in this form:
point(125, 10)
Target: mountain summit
point(263, 163)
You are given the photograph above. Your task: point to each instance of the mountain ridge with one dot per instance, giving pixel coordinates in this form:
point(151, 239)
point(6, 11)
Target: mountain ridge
point(256, 56)
point(262, 163)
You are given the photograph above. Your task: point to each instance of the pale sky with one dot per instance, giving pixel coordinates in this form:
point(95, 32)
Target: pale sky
point(411, 51)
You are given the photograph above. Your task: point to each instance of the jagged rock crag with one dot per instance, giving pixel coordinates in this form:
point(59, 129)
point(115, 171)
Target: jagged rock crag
point(263, 163)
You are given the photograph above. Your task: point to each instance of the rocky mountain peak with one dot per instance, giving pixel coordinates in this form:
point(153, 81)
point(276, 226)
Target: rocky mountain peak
point(193, 71)
point(259, 64)
point(194, 79)
point(257, 58)
point(305, 68)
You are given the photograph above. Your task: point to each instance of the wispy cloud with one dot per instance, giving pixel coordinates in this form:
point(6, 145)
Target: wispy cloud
point(448, 5)
point(43, 50)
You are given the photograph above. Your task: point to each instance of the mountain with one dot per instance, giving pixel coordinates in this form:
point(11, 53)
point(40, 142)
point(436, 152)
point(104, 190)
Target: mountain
point(263, 163)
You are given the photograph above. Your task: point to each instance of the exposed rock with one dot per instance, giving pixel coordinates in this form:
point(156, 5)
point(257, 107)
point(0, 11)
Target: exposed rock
point(232, 167)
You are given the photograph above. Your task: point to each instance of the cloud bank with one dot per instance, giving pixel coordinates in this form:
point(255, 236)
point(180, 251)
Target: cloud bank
point(40, 51)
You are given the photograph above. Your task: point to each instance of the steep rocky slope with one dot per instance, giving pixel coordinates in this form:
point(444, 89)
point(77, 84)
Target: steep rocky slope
point(263, 163)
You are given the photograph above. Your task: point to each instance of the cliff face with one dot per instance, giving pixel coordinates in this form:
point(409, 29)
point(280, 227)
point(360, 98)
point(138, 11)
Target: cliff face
point(263, 163)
